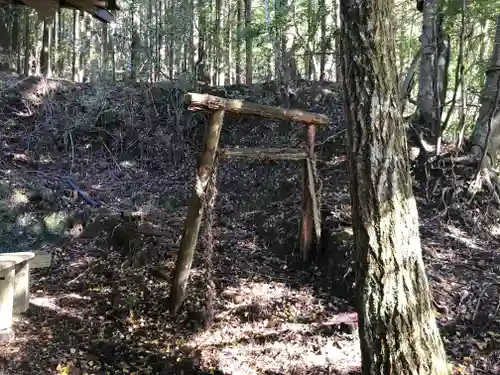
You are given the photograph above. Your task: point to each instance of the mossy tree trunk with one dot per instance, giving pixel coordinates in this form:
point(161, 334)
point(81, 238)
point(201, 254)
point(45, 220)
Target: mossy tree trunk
point(397, 327)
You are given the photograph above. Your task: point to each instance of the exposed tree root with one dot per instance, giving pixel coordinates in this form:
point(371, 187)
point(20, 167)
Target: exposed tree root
point(475, 179)
point(467, 160)
point(485, 177)
point(454, 176)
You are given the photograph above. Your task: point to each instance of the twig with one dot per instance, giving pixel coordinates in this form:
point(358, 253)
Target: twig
point(331, 137)
point(479, 300)
point(84, 196)
point(111, 154)
point(13, 85)
point(91, 266)
point(72, 143)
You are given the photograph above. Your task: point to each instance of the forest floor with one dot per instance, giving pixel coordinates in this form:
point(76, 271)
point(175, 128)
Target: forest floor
point(102, 310)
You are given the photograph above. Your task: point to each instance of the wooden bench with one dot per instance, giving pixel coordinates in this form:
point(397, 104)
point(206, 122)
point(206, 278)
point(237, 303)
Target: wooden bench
point(14, 289)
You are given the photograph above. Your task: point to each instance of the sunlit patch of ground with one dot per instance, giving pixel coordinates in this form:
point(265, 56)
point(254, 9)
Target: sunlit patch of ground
point(273, 314)
point(270, 327)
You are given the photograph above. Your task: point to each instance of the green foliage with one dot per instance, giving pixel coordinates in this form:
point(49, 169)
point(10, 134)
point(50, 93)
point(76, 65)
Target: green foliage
point(477, 11)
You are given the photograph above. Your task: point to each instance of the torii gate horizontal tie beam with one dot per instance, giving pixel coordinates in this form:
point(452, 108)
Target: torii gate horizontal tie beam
point(195, 102)
point(263, 153)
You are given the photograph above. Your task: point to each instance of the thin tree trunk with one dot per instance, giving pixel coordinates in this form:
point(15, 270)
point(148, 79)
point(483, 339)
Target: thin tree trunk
point(311, 30)
point(324, 41)
point(55, 43)
point(63, 54)
point(486, 134)
point(105, 52)
point(248, 43)
point(27, 42)
point(338, 55)
point(192, 49)
point(15, 48)
point(76, 44)
point(113, 56)
point(171, 40)
point(201, 64)
point(397, 327)
point(227, 68)
point(45, 53)
point(85, 50)
point(5, 37)
point(431, 83)
point(218, 42)
point(239, 20)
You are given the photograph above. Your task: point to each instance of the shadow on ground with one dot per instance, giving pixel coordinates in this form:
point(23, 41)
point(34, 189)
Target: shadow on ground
point(102, 307)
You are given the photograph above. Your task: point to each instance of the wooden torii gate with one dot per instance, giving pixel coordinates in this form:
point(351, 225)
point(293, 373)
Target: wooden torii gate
point(310, 227)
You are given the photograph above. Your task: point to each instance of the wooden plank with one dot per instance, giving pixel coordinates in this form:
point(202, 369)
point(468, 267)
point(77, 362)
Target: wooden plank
point(263, 153)
point(195, 102)
point(195, 213)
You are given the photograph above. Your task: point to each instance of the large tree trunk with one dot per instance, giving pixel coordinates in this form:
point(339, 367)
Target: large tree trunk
point(397, 327)
point(486, 134)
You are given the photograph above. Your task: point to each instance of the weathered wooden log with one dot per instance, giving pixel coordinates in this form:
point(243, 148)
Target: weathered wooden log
point(315, 204)
point(263, 153)
point(195, 102)
point(195, 213)
point(308, 197)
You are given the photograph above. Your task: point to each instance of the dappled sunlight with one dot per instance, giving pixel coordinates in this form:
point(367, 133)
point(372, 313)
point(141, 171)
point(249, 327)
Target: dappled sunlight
point(36, 89)
point(284, 352)
point(281, 326)
point(495, 230)
point(46, 159)
point(54, 304)
point(463, 237)
point(29, 222)
point(18, 197)
point(104, 305)
point(20, 157)
point(128, 164)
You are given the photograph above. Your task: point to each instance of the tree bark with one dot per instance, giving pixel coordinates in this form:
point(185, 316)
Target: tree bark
point(27, 43)
point(218, 43)
point(15, 44)
point(397, 327)
point(433, 69)
point(428, 50)
point(239, 20)
point(195, 213)
point(248, 43)
point(324, 40)
point(195, 101)
point(76, 45)
point(4, 30)
point(46, 46)
point(486, 134)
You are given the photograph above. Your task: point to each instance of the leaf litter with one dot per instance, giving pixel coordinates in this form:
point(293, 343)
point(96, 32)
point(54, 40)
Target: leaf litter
point(102, 308)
